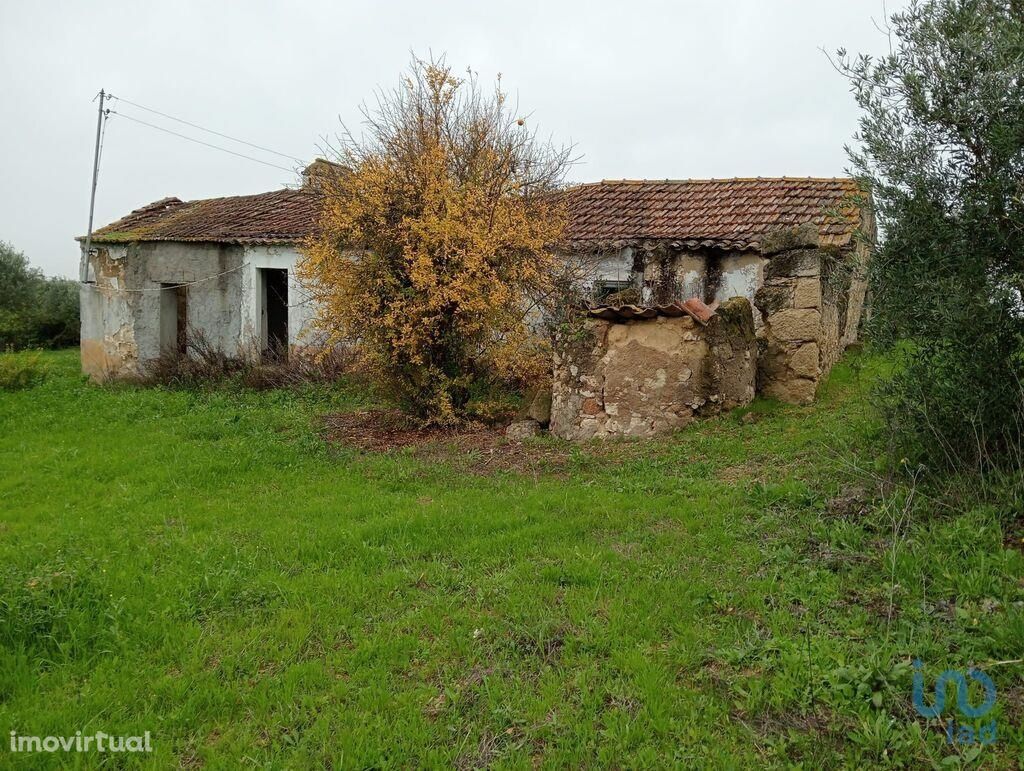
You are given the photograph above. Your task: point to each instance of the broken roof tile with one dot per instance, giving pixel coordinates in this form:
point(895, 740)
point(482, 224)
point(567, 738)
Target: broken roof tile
point(694, 308)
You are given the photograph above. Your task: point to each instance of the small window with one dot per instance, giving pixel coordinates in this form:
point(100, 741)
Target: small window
point(605, 288)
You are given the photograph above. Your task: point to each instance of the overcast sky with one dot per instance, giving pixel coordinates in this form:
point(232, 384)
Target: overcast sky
point(684, 89)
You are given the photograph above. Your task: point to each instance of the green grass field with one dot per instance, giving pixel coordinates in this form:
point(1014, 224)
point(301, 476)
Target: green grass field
point(203, 566)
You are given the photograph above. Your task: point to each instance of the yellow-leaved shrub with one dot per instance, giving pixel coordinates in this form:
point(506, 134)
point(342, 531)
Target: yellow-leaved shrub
point(435, 238)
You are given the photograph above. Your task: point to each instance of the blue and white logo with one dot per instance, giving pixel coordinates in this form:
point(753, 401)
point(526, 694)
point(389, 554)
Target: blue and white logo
point(958, 734)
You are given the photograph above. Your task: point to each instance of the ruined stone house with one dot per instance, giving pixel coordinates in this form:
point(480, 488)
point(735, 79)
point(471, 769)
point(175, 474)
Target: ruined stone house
point(795, 248)
point(224, 268)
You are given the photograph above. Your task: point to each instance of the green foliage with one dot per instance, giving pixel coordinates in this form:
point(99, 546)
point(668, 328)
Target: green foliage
point(200, 564)
point(35, 311)
point(21, 370)
point(942, 149)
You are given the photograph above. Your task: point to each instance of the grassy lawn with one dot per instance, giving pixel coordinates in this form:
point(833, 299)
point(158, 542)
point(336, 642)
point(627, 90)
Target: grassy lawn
point(205, 567)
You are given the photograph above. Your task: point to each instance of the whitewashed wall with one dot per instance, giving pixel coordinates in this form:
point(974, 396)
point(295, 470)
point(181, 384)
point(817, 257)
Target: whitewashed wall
point(301, 309)
point(121, 299)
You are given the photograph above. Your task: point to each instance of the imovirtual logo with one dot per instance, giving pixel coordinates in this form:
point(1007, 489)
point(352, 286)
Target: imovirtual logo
point(959, 733)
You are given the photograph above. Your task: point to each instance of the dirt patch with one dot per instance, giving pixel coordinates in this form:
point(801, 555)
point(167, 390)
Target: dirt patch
point(752, 469)
point(386, 430)
point(852, 503)
point(476, 448)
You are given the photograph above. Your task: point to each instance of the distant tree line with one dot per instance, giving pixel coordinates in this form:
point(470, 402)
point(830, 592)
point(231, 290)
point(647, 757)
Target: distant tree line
point(35, 311)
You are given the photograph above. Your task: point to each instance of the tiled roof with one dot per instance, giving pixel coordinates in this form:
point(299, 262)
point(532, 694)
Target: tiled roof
point(723, 213)
point(694, 308)
point(726, 213)
point(281, 216)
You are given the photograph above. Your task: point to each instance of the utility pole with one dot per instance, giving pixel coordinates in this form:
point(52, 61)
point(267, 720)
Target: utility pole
point(95, 172)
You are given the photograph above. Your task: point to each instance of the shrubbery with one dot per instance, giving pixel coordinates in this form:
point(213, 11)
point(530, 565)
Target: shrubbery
point(942, 149)
point(207, 366)
point(35, 311)
point(20, 370)
point(435, 232)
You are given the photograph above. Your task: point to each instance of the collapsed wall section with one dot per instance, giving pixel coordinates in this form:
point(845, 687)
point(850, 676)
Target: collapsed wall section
point(653, 373)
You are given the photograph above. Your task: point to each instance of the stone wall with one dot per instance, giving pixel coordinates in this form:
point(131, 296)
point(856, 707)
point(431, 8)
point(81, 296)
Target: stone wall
point(810, 305)
point(647, 376)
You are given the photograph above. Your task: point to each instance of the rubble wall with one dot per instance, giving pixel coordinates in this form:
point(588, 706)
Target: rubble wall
point(646, 377)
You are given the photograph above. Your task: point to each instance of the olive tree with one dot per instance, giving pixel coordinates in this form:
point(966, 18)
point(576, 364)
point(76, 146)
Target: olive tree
point(941, 146)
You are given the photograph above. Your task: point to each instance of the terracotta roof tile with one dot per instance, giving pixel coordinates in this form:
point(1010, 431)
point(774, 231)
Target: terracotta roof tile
point(281, 216)
point(694, 308)
point(724, 213)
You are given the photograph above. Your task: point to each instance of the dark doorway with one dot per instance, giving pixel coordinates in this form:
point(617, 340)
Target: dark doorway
point(274, 315)
point(174, 318)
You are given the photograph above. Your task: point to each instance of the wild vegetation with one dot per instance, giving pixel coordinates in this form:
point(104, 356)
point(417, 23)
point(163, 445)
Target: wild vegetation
point(202, 564)
point(941, 144)
point(206, 366)
point(435, 238)
point(35, 311)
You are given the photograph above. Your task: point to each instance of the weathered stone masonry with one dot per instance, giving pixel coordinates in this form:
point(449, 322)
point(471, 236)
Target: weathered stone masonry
point(643, 377)
point(810, 305)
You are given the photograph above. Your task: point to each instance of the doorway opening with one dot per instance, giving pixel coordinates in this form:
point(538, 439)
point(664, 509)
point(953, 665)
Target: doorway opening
point(274, 313)
point(174, 319)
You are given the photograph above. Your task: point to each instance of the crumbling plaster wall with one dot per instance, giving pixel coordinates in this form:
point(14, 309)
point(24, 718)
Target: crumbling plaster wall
point(711, 275)
point(645, 377)
point(664, 275)
point(810, 298)
point(212, 307)
point(108, 347)
point(121, 300)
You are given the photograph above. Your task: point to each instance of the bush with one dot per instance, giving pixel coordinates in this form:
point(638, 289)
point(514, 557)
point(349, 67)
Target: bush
point(19, 370)
point(436, 228)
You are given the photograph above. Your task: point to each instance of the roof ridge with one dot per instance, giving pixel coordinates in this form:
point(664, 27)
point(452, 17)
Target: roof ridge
point(245, 195)
point(719, 179)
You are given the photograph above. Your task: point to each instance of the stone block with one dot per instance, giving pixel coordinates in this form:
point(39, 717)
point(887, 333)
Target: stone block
point(797, 390)
point(807, 293)
point(804, 361)
point(537, 406)
point(772, 298)
point(522, 429)
point(796, 325)
point(540, 407)
point(797, 264)
point(787, 239)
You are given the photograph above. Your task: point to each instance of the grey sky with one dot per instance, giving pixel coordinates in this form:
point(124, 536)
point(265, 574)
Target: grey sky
point(692, 88)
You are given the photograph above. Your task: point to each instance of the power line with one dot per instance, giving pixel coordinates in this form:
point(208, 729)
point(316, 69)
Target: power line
point(203, 128)
point(201, 142)
point(296, 285)
point(95, 286)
